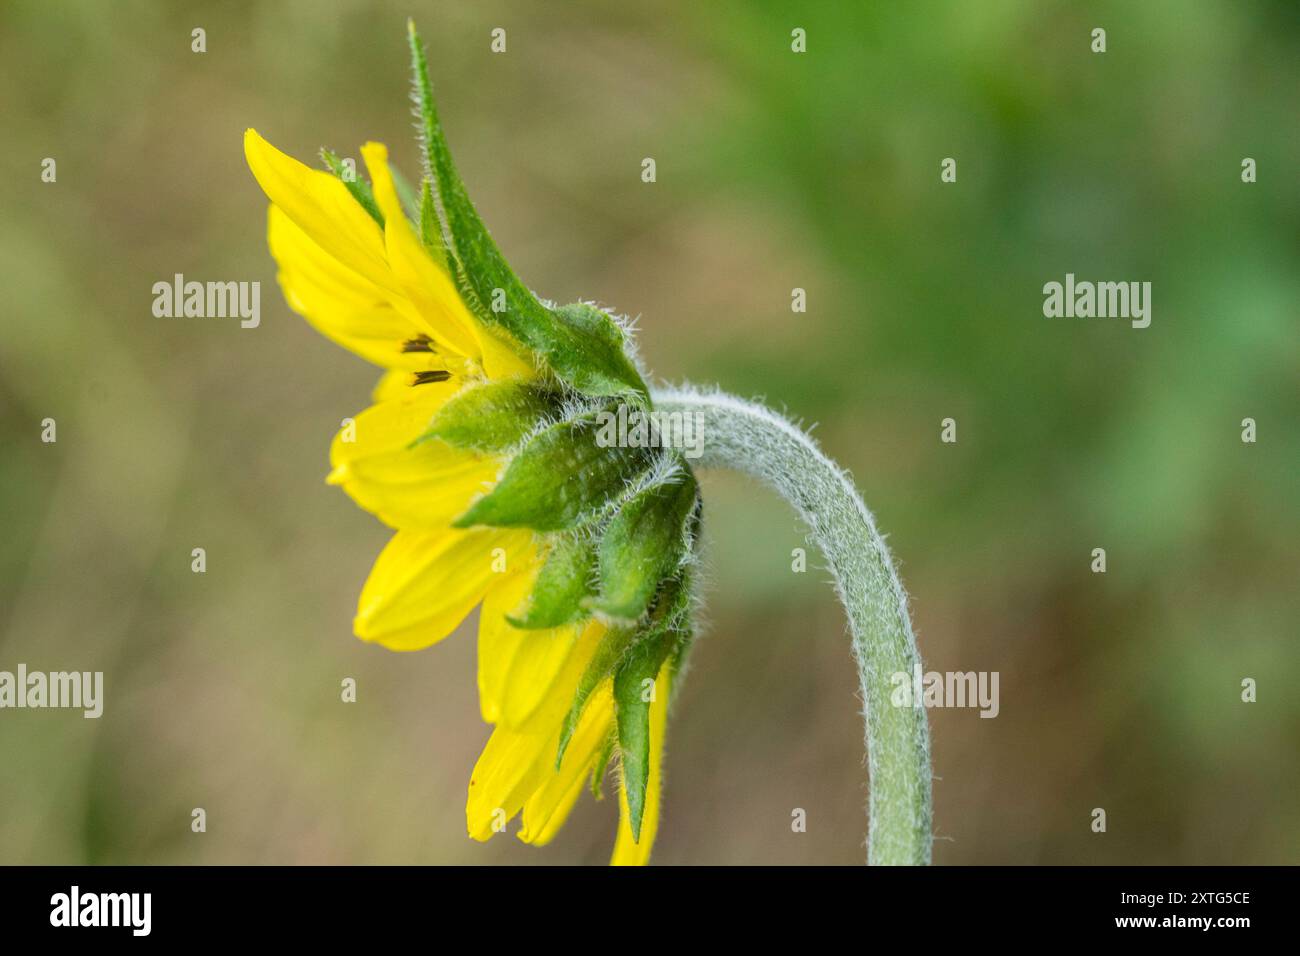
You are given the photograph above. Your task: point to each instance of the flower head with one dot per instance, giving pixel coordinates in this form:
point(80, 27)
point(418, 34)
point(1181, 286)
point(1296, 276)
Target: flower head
point(483, 450)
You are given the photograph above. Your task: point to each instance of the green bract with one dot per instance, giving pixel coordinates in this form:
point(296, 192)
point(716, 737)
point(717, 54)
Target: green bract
point(583, 346)
point(491, 417)
point(635, 689)
point(563, 585)
point(561, 477)
point(643, 544)
point(632, 657)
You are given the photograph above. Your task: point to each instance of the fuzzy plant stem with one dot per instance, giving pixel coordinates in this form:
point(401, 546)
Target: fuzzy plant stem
point(750, 438)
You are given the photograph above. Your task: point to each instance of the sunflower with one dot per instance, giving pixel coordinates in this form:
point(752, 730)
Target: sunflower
point(481, 450)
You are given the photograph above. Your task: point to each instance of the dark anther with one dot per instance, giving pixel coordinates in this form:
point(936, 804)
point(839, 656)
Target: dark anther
point(420, 343)
point(424, 378)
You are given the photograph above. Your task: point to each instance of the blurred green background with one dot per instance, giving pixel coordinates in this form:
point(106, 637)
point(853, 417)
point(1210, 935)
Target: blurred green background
point(775, 171)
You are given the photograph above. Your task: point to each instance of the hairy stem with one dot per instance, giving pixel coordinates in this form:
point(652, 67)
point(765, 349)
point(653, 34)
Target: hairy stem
point(750, 438)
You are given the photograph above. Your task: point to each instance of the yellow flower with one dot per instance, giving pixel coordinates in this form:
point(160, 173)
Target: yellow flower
point(366, 279)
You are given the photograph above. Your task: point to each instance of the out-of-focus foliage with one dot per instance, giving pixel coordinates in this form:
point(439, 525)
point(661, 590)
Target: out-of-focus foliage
point(775, 170)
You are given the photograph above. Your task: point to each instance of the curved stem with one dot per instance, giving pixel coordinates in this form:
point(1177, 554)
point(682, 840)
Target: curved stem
point(748, 437)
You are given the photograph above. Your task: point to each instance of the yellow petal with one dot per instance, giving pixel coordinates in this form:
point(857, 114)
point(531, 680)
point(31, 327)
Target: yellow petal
point(392, 384)
point(518, 668)
point(408, 485)
point(365, 287)
point(323, 208)
point(432, 290)
point(534, 670)
point(496, 637)
point(501, 358)
point(549, 806)
point(424, 583)
point(627, 850)
point(518, 760)
point(425, 282)
point(339, 302)
point(511, 767)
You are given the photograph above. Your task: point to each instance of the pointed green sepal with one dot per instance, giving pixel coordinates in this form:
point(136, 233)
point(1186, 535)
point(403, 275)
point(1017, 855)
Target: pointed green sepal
point(582, 345)
point(634, 691)
point(613, 646)
point(564, 582)
point(490, 417)
point(560, 478)
point(645, 543)
point(668, 621)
